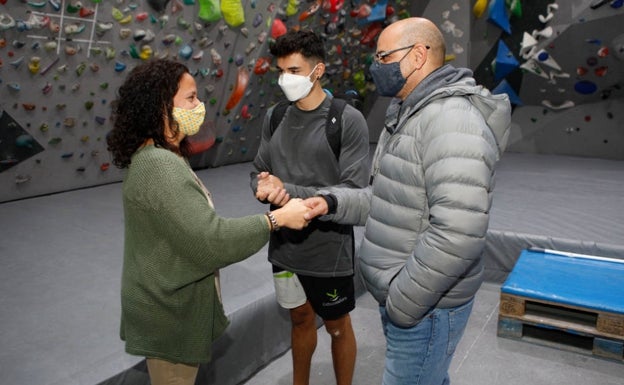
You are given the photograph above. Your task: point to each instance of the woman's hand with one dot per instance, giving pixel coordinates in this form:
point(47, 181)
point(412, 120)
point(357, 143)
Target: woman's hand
point(291, 215)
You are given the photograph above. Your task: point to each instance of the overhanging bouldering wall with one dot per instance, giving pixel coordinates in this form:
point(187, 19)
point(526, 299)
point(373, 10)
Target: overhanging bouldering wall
point(61, 63)
point(562, 63)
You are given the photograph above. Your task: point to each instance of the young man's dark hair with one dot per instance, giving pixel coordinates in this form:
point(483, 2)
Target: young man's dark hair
point(307, 43)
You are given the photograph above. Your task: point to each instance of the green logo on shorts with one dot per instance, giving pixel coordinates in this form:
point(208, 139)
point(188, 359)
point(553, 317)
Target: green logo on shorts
point(333, 296)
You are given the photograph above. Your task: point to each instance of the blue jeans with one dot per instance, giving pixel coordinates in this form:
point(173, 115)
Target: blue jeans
point(421, 354)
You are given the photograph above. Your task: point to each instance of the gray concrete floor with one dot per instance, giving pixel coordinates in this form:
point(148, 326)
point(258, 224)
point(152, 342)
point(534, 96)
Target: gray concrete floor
point(481, 358)
point(60, 267)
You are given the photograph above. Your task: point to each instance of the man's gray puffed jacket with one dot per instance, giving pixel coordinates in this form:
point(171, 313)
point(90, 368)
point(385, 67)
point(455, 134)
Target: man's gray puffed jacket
point(427, 209)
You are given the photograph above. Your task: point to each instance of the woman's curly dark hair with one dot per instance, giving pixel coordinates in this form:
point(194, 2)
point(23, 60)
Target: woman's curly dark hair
point(144, 101)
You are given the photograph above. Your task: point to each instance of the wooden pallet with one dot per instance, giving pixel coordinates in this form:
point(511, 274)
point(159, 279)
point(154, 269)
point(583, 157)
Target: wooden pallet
point(604, 329)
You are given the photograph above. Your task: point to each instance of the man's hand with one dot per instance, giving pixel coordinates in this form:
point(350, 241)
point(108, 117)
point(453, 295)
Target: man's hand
point(271, 189)
point(317, 206)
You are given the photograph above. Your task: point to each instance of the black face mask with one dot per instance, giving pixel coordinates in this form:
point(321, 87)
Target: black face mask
point(387, 77)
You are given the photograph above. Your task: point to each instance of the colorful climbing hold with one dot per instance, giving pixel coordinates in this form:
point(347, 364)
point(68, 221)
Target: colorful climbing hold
point(262, 65)
point(257, 20)
point(24, 140)
point(209, 10)
point(81, 68)
point(216, 57)
point(498, 15)
point(278, 28)
point(34, 64)
point(245, 114)
point(585, 87)
point(601, 71)
point(119, 66)
point(185, 52)
point(603, 52)
point(292, 8)
point(233, 12)
point(479, 8)
point(242, 80)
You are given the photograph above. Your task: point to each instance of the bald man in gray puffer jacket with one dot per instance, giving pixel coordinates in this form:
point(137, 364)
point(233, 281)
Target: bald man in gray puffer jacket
point(427, 208)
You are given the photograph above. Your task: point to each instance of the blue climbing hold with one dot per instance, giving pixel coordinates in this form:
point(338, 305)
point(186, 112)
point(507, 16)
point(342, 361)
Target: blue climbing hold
point(119, 66)
point(585, 87)
point(185, 52)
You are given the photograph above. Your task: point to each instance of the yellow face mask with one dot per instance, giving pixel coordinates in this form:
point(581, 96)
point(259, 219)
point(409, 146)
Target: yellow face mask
point(191, 120)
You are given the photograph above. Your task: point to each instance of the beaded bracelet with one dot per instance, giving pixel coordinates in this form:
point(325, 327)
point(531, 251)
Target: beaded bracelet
point(274, 225)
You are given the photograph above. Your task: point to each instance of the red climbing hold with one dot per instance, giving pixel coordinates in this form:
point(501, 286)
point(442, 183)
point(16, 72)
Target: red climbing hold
point(278, 28)
point(262, 66)
point(311, 10)
point(239, 89)
point(370, 33)
point(245, 114)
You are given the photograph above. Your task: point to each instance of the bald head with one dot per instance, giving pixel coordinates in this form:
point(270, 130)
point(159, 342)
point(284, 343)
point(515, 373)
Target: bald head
point(418, 30)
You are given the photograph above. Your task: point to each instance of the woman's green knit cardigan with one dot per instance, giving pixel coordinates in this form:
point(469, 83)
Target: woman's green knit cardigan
point(174, 244)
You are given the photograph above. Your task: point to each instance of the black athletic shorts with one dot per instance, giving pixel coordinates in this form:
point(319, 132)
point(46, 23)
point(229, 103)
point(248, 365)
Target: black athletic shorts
point(331, 297)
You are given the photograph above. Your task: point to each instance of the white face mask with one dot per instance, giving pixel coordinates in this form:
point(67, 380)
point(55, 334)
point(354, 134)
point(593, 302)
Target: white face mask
point(295, 87)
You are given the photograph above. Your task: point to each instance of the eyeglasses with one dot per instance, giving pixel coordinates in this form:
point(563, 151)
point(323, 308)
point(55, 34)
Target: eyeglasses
point(380, 56)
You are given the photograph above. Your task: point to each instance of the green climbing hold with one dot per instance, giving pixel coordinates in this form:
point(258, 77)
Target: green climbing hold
point(209, 10)
point(89, 105)
point(80, 69)
point(71, 8)
point(117, 14)
point(133, 51)
point(515, 8)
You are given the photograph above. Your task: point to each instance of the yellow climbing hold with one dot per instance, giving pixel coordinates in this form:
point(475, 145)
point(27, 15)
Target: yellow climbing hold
point(233, 12)
point(117, 14)
point(146, 52)
point(34, 64)
point(292, 8)
point(479, 8)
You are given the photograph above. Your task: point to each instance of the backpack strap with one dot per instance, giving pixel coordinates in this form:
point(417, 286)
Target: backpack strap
point(277, 115)
point(333, 126)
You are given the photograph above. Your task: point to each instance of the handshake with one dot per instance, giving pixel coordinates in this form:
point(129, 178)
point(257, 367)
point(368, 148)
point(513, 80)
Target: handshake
point(293, 213)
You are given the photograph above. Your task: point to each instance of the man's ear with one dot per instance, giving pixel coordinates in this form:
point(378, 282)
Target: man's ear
point(421, 52)
point(320, 70)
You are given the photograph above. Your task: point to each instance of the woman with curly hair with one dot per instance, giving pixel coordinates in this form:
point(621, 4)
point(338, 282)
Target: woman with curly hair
point(174, 242)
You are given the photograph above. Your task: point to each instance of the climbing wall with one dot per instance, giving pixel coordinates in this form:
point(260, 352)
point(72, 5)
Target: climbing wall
point(62, 61)
point(562, 63)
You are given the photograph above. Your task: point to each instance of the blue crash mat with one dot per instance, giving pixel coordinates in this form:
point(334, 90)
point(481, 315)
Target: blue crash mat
point(580, 282)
